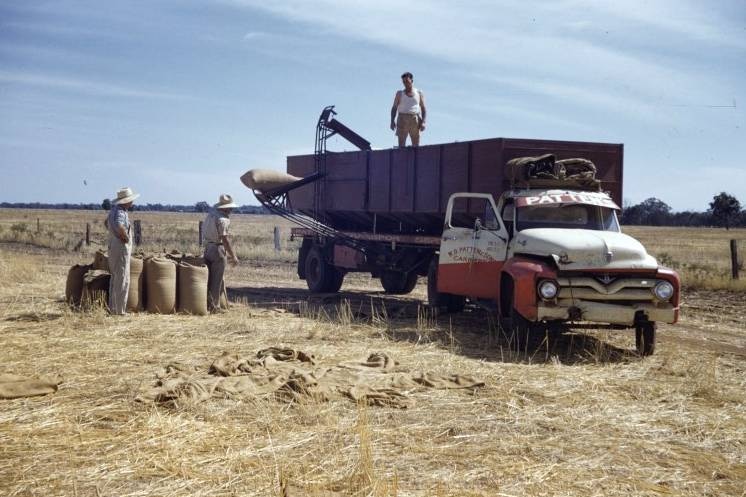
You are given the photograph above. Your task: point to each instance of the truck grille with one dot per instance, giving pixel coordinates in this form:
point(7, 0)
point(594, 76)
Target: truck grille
point(626, 289)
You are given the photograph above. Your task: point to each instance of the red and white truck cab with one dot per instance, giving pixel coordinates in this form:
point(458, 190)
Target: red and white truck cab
point(552, 256)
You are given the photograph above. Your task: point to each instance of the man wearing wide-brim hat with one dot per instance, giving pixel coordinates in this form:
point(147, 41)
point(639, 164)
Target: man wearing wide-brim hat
point(217, 246)
point(120, 249)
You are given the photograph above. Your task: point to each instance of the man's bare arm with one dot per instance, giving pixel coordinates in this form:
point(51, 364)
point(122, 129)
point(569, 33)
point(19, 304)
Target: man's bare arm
point(122, 234)
point(393, 109)
point(229, 248)
point(423, 111)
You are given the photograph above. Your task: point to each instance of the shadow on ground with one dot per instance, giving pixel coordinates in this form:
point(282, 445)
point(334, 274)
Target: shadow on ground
point(473, 333)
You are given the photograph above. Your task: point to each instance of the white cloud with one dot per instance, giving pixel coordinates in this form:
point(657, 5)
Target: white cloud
point(542, 57)
point(84, 86)
point(58, 29)
point(690, 20)
point(254, 34)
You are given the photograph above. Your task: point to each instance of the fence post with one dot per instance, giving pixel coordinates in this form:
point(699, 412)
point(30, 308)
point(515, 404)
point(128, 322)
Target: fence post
point(38, 225)
point(201, 234)
point(734, 259)
point(138, 232)
point(87, 233)
point(277, 238)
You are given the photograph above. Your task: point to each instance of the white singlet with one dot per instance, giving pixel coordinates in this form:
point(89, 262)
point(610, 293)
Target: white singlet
point(407, 104)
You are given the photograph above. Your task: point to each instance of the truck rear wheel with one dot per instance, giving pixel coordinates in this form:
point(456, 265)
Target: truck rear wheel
point(645, 338)
point(321, 277)
point(452, 303)
point(302, 256)
point(398, 282)
point(336, 277)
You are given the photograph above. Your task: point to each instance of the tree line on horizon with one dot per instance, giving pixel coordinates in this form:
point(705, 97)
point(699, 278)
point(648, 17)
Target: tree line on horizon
point(106, 205)
point(724, 210)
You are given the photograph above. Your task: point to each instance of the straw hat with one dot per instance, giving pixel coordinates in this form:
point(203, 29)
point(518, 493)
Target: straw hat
point(124, 196)
point(225, 202)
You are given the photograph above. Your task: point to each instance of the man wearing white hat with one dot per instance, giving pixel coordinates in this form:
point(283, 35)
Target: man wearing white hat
point(120, 249)
point(217, 245)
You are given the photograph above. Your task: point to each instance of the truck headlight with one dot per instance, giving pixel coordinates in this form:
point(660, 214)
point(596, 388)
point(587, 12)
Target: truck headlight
point(548, 289)
point(663, 290)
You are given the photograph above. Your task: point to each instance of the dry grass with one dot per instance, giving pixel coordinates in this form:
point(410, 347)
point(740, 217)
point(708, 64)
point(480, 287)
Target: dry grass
point(700, 255)
point(162, 231)
point(576, 415)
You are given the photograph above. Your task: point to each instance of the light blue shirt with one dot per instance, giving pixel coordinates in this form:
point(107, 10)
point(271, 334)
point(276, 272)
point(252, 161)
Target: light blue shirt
point(118, 217)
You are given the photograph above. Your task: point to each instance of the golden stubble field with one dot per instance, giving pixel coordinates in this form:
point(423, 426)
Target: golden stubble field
point(576, 415)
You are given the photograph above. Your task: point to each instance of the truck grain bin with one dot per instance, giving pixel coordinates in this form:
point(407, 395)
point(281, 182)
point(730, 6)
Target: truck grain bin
point(526, 227)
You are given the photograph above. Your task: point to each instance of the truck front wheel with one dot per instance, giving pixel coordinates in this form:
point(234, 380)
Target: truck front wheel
point(516, 328)
point(398, 282)
point(645, 338)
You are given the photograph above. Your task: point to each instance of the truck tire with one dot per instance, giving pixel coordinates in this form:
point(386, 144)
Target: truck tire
point(321, 277)
point(336, 277)
point(452, 303)
point(519, 332)
point(398, 282)
point(645, 338)
point(456, 303)
point(305, 247)
point(516, 328)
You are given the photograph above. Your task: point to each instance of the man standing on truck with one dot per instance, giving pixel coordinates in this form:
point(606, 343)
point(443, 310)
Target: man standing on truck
point(217, 245)
point(409, 104)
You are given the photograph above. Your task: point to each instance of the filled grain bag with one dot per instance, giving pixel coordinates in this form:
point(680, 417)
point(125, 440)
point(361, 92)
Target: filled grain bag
point(192, 283)
point(265, 180)
point(101, 260)
point(522, 169)
point(95, 288)
point(175, 256)
point(74, 283)
point(577, 168)
point(194, 260)
point(178, 258)
point(137, 282)
point(160, 285)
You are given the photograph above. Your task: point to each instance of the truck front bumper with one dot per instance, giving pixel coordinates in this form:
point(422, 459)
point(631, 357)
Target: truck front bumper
point(601, 312)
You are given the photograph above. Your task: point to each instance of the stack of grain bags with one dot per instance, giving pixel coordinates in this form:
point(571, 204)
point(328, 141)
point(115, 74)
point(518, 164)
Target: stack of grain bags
point(161, 284)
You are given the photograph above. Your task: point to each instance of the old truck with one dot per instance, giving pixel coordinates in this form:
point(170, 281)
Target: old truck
point(481, 224)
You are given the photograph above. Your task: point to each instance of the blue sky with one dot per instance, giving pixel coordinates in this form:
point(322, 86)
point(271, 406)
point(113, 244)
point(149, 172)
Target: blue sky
point(177, 99)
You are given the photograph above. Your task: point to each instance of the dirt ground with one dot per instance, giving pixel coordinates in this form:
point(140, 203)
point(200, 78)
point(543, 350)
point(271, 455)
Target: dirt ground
point(576, 414)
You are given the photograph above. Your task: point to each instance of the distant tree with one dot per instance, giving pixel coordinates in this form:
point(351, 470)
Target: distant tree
point(690, 218)
point(656, 212)
point(652, 212)
point(201, 206)
point(106, 204)
point(631, 214)
point(725, 209)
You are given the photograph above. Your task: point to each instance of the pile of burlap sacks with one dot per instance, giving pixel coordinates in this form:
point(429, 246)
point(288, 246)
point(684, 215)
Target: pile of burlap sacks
point(163, 283)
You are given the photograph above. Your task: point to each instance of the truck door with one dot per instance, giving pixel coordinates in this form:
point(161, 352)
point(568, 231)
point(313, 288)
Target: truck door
point(473, 247)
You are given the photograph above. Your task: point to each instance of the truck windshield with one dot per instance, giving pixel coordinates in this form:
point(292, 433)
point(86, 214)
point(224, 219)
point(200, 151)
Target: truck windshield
point(573, 216)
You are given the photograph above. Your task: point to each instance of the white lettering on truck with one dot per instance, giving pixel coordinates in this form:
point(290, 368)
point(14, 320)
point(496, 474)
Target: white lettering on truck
point(567, 198)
